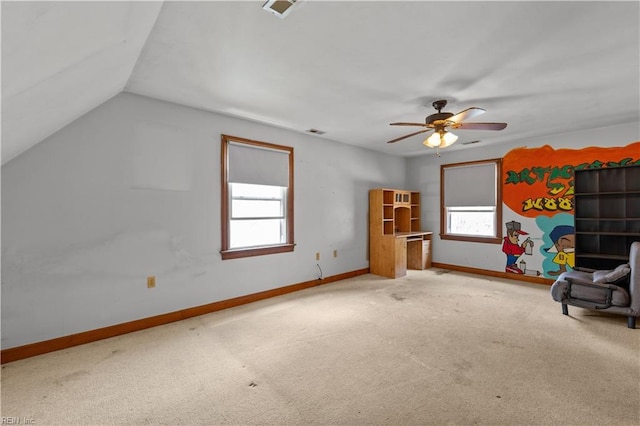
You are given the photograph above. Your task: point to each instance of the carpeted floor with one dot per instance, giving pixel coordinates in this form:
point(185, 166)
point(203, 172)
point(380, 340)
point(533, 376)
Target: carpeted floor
point(434, 347)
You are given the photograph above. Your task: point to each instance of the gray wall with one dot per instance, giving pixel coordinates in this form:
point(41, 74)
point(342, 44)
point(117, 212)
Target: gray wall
point(423, 174)
point(132, 189)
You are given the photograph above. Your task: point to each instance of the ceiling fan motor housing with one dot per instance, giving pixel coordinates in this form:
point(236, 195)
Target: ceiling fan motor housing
point(438, 116)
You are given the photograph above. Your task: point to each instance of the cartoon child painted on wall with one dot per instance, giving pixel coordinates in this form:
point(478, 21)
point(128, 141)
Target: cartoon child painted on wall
point(564, 243)
point(512, 248)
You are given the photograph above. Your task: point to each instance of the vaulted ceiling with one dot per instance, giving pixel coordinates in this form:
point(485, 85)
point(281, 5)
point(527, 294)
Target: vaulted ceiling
point(347, 68)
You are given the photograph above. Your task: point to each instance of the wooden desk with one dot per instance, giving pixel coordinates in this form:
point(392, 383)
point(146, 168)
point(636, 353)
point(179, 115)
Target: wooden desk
point(402, 251)
point(418, 249)
point(395, 239)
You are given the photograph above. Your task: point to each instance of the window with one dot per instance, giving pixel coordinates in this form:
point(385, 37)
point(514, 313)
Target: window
point(257, 198)
point(470, 201)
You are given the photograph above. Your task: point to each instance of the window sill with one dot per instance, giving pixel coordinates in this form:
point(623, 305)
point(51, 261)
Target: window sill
point(255, 251)
point(471, 239)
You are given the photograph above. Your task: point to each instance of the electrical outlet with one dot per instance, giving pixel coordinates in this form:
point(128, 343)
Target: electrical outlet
point(317, 255)
point(335, 253)
point(151, 281)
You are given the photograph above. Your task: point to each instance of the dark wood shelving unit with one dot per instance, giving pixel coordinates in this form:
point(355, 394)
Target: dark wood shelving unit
point(607, 215)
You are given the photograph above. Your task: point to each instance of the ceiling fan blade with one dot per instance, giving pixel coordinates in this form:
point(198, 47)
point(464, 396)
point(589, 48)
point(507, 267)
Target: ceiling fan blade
point(408, 124)
point(409, 135)
point(479, 126)
point(466, 114)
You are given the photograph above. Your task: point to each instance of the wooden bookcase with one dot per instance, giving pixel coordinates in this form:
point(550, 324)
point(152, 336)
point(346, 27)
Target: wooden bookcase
point(396, 241)
point(607, 215)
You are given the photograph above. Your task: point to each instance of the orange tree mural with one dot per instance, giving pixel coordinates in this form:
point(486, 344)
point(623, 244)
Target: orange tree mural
point(538, 184)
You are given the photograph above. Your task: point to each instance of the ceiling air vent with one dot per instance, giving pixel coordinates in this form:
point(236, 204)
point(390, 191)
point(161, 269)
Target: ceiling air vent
point(280, 8)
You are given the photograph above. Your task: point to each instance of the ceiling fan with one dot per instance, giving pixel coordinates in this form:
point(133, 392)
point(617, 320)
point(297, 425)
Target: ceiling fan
point(440, 122)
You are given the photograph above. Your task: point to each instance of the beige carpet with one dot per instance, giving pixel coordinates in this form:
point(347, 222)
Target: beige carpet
point(434, 347)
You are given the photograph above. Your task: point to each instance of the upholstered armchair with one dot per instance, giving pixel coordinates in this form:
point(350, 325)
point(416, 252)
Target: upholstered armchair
point(615, 291)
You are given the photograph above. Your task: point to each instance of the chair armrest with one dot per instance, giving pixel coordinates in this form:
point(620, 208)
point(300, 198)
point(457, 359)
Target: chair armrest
point(591, 284)
point(585, 303)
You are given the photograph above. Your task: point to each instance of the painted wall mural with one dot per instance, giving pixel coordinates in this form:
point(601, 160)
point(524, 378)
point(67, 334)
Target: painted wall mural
point(537, 195)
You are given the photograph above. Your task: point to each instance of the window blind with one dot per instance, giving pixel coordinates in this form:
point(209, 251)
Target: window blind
point(258, 165)
point(470, 185)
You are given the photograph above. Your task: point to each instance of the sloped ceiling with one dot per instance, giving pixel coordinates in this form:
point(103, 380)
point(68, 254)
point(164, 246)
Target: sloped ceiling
point(348, 68)
point(62, 59)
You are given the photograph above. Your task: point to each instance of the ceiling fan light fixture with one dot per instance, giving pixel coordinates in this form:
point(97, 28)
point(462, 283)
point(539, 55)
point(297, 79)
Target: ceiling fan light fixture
point(448, 139)
point(441, 139)
point(432, 141)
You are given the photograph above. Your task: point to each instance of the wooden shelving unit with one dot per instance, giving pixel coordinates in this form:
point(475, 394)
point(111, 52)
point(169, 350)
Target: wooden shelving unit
point(607, 215)
point(395, 238)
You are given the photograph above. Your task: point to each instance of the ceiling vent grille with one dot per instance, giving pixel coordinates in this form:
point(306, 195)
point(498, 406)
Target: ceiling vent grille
point(280, 8)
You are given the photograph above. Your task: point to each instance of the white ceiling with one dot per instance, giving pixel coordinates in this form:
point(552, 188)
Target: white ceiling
point(348, 68)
